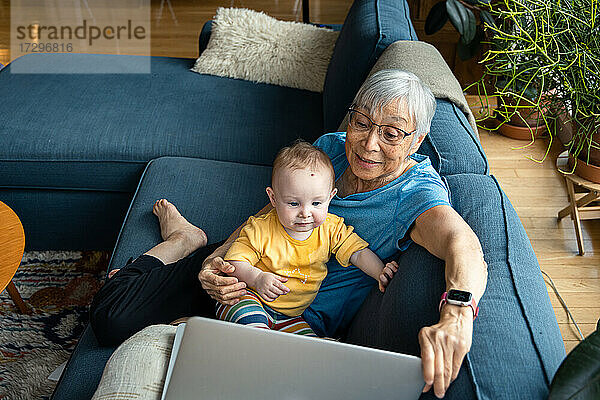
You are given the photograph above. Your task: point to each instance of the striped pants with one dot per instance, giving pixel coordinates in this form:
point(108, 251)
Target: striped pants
point(251, 311)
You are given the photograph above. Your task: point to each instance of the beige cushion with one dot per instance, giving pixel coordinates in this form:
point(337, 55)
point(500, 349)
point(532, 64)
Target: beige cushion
point(137, 369)
point(250, 45)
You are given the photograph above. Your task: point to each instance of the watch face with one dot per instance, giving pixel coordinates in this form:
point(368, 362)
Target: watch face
point(459, 295)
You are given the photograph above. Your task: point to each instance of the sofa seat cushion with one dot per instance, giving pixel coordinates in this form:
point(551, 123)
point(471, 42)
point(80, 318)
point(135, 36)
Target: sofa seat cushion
point(214, 195)
point(68, 219)
point(517, 345)
point(60, 141)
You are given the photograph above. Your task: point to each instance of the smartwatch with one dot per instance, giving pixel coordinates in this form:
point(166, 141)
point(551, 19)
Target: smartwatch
point(459, 298)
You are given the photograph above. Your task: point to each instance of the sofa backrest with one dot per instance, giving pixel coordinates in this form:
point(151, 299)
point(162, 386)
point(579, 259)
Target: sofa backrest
point(370, 27)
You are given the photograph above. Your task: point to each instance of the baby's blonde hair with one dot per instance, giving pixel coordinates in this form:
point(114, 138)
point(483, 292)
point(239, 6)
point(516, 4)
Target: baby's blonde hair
point(302, 155)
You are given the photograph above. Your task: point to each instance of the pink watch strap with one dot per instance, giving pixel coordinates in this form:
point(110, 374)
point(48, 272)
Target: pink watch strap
point(473, 305)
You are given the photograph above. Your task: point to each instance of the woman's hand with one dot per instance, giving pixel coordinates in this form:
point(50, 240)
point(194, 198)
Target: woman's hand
point(270, 286)
point(224, 289)
point(387, 274)
point(444, 346)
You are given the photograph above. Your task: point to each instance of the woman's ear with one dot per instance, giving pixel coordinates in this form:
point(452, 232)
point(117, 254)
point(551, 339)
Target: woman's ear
point(416, 144)
point(271, 195)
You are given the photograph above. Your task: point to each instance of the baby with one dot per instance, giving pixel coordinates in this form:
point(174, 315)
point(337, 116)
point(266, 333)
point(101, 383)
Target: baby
point(281, 255)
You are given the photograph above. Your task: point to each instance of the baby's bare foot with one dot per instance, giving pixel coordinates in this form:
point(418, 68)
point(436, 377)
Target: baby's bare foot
point(174, 227)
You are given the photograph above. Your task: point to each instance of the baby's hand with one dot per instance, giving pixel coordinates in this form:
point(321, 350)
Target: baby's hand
point(387, 273)
point(270, 286)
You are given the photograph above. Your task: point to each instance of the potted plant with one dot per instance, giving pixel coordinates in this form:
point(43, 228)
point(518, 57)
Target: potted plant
point(511, 72)
point(548, 55)
point(463, 16)
point(520, 110)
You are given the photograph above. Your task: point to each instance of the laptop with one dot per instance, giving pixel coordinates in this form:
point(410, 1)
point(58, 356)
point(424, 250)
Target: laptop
point(219, 360)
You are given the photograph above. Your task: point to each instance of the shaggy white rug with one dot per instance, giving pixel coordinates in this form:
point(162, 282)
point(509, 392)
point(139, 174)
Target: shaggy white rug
point(251, 45)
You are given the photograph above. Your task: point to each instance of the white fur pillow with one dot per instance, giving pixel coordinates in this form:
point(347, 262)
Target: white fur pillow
point(250, 45)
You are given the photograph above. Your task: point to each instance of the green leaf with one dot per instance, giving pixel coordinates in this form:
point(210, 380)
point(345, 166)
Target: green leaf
point(463, 20)
point(455, 12)
point(437, 18)
point(578, 377)
point(487, 18)
point(470, 26)
point(466, 51)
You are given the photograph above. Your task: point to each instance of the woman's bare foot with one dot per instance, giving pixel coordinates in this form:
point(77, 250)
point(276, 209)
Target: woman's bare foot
point(180, 237)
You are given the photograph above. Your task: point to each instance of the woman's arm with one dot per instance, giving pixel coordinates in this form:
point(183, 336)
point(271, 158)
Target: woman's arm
point(444, 233)
point(213, 275)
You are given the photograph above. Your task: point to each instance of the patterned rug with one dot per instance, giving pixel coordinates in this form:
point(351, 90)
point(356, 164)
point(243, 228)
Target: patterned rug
point(59, 286)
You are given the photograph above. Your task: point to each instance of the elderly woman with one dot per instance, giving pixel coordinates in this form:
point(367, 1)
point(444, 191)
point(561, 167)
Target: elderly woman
point(391, 195)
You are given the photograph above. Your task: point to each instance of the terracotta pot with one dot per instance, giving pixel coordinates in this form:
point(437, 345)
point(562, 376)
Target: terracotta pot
point(588, 161)
point(521, 116)
point(585, 170)
point(563, 127)
point(521, 132)
point(530, 118)
point(523, 123)
point(594, 154)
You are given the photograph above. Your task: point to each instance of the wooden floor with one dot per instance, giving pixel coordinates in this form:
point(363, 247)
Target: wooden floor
point(536, 190)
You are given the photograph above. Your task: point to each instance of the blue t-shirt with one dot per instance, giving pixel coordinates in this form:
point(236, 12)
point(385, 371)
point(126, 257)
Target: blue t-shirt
point(382, 217)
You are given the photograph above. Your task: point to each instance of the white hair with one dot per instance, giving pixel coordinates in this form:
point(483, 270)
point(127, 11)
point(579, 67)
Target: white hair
point(389, 85)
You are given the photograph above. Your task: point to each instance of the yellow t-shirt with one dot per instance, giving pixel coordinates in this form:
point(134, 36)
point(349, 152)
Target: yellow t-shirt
point(264, 243)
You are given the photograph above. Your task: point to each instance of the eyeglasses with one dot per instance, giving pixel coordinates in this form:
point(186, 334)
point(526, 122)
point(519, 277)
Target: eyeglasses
point(388, 134)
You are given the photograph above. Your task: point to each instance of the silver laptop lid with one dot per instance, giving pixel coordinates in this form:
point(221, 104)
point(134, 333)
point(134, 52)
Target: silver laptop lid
point(223, 361)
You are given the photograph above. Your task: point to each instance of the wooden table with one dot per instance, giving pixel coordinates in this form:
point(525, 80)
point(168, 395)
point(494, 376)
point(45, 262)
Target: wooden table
point(12, 245)
point(580, 208)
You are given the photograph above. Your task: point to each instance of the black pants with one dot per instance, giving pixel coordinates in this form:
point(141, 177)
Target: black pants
point(148, 292)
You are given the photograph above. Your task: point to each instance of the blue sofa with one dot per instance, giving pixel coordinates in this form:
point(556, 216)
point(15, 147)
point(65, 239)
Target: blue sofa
point(103, 148)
